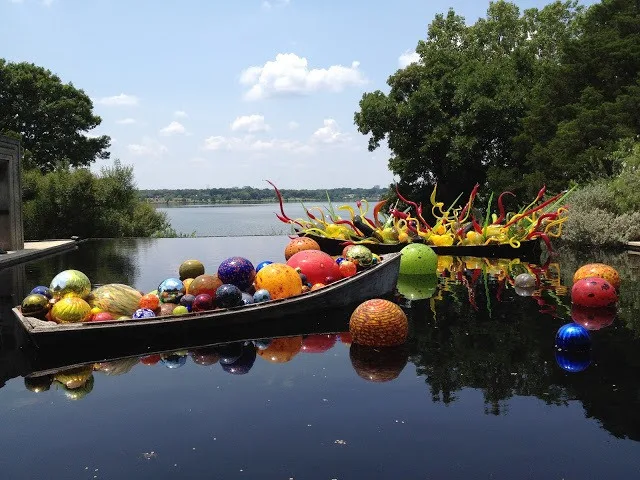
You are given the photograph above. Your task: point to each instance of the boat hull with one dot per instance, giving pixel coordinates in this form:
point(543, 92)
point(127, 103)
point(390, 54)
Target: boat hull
point(377, 281)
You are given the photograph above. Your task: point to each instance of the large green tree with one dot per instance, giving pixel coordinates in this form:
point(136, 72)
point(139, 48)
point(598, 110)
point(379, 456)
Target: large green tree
point(451, 117)
point(52, 118)
point(580, 110)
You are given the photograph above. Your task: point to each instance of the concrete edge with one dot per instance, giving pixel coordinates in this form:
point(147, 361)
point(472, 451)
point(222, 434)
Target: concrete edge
point(26, 255)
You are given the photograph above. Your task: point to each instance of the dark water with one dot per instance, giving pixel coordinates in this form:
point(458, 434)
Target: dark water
point(477, 392)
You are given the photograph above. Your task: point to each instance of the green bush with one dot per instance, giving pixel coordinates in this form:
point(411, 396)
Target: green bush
point(72, 201)
point(607, 212)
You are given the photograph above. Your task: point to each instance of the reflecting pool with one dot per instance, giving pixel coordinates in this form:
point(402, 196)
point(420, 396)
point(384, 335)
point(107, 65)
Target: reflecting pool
point(478, 391)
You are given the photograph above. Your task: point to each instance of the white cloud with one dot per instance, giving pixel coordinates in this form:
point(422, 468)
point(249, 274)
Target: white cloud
point(269, 4)
point(126, 121)
point(329, 133)
point(249, 143)
point(293, 125)
point(148, 148)
point(290, 74)
point(180, 113)
point(407, 58)
point(118, 100)
point(174, 128)
point(249, 123)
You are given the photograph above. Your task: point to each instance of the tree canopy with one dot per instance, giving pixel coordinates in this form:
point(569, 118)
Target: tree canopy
point(513, 101)
point(51, 118)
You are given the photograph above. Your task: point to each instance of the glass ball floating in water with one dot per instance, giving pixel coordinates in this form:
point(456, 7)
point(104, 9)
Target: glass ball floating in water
point(237, 271)
point(418, 259)
point(573, 337)
point(170, 290)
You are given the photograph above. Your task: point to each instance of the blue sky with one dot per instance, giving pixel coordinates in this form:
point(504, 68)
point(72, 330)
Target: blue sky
point(223, 93)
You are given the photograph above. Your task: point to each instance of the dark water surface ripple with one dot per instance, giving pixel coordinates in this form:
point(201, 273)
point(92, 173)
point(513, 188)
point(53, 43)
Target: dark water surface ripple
point(476, 392)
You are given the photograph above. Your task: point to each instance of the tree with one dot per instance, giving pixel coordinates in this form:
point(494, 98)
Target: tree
point(451, 117)
point(51, 117)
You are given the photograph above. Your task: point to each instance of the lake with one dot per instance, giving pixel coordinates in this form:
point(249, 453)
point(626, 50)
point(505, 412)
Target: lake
point(238, 220)
point(477, 392)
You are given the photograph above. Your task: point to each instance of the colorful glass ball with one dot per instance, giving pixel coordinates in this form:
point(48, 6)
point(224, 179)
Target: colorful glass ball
point(242, 364)
point(418, 259)
point(300, 244)
point(170, 290)
point(379, 323)
point(180, 310)
point(282, 350)
point(593, 318)
point(143, 313)
point(282, 281)
point(339, 260)
point(150, 301)
point(318, 343)
point(378, 365)
point(263, 264)
point(205, 284)
point(42, 290)
point(347, 268)
point(599, 270)
point(360, 255)
point(247, 298)
point(190, 269)
point(237, 271)
point(187, 301)
point(71, 310)
point(593, 292)
point(70, 281)
point(261, 295)
point(202, 302)
point(228, 296)
point(35, 305)
point(230, 352)
point(573, 336)
point(317, 266)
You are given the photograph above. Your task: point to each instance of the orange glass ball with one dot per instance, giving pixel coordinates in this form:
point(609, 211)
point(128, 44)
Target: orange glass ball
point(298, 245)
point(379, 323)
point(282, 350)
point(348, 268)
point(280, 280)
point(599, 270)
point(204, 284)
point(150, 301)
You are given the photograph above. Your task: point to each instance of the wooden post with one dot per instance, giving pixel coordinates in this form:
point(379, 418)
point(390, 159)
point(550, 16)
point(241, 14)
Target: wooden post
point(11, 228)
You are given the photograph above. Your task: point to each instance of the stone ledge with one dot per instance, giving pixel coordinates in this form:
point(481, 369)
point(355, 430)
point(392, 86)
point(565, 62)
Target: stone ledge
point(34, 250)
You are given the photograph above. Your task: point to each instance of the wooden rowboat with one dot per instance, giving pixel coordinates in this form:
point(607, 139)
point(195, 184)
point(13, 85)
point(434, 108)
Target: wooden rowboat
point(377, 281)
point(527, 249)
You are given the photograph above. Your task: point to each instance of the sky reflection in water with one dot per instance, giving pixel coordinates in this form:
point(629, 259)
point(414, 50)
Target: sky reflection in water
point(475, 393)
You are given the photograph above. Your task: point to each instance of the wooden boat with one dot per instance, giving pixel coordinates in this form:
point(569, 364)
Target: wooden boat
point(377, 281)
point(528, 248)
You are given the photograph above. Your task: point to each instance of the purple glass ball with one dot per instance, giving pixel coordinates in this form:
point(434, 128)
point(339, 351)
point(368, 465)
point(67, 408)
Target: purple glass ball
point(237, 271)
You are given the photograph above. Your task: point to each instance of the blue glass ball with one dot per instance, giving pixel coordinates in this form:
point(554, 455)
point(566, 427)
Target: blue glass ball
point(170, 290)
point(187, 301)
point(242, 364)
point(573, 336)
point(228, 295)
point(143, 313)
point(247, 298)
point(263, 264)
point(339, 260)
point(237, 271)
point(42, 290)
point(573, 361)
point(261, 295)
point(173, 360)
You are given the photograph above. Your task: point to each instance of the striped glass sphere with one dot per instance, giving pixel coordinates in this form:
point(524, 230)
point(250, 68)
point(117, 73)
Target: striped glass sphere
point(573, 336)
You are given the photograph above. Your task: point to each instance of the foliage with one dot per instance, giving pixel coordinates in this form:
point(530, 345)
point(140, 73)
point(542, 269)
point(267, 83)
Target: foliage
point(607, 211)
point(50, 117)
point(258, 195)
point(450, 118)
point(581, 108)
point(73, 201)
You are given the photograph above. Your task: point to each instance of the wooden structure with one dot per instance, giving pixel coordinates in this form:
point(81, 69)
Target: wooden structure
point(11, 229)
point(375, 282)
